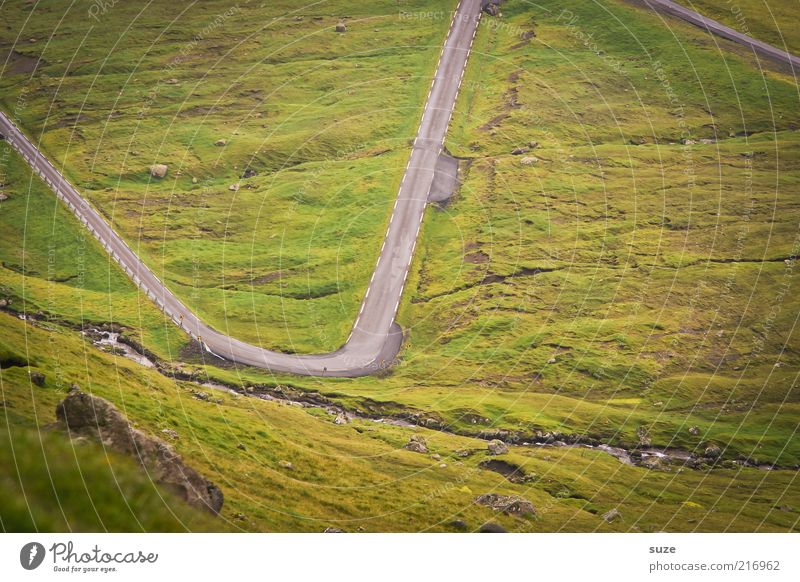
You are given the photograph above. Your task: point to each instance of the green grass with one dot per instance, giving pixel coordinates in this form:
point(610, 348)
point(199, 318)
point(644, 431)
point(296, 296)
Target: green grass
point(651, 271)
point(767, 20)
point(51, 485)
point(325, 120)
point(355, 476)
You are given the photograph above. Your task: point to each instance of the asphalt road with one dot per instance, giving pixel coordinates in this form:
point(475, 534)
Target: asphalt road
point(375, 339)
point(714, 27)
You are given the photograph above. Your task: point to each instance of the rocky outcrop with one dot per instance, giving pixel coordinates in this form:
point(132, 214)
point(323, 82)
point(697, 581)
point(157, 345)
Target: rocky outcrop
point(497, 447)
point(416, 444)
point(509, 504)
point(341, 27)
point(84, 415)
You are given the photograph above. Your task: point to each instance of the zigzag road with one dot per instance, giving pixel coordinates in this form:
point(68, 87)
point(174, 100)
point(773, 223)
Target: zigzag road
point(376, 337)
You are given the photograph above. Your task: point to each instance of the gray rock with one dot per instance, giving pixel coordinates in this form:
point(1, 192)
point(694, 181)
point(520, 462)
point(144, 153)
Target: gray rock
point(158, 170)
point(508, 504)
point(416, 444)
point(37, 378)
point(83, 415)
point(694, 430)
point(529, 160)
point(712, 450)
point(333, 530)
point(234, 187)
point(3, 196)
point(644, 436)
point(169, 433)
point(221, 142)
point(491, 527)
point(519, 151)
point(497, 447)
point(341, 27)
point(612, 515)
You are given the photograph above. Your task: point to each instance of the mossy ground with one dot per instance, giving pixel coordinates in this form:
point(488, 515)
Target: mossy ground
point(653, 273)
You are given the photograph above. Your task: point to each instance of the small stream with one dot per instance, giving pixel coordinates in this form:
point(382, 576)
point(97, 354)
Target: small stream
point(649, 457)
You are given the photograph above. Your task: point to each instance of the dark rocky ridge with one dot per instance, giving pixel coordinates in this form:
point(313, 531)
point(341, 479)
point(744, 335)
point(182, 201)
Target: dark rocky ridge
point(82, 414)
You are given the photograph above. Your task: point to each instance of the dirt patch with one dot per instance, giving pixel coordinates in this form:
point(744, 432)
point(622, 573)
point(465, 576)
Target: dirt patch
point(18, 63)
point(510, 471)
point(476, 258)
point(268, 278)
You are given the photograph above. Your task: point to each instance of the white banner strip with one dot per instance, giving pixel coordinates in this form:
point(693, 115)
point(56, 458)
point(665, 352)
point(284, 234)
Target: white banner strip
point(401, 557)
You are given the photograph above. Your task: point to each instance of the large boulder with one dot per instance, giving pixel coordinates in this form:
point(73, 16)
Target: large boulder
point(158, 170)
point(509, 504)
point(416, 444)
point(84, 415)
point(497, 447)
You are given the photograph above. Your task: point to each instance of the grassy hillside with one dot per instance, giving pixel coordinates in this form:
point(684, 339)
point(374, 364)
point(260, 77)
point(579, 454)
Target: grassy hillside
point(635, 279)
point(315, 125)
point(768, 20)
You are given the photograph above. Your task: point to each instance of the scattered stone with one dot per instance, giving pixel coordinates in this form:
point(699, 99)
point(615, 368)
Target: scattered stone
point(240, 516)
point(463, 453)
point(551, 361)
point(170, 433)
point(491, 8)
point(519, 151)
point(416, 444)
point(37, 378)
point(3, 196)
point(653, 462)
point(694, 430)
point(4, 302)
point(533, 144)
point(529, 160)
point(158, 170)
point(172, 81)
point(83, 415)
point(194, 180)
point(458, 524)
point(286, 465)
point(436, 457)
point(443, 465)
point(221, 142)
point(241, 447)
point(341, 418)
point(612, 515)
point(644, 436)
point(204, 396)
point(249, 173)
point(508, 504)
point(491, 527)
point(688, 142)
point(333, 530)
point(341, 27)
point(234, 187)
point(497, 447)
point(712, 451)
